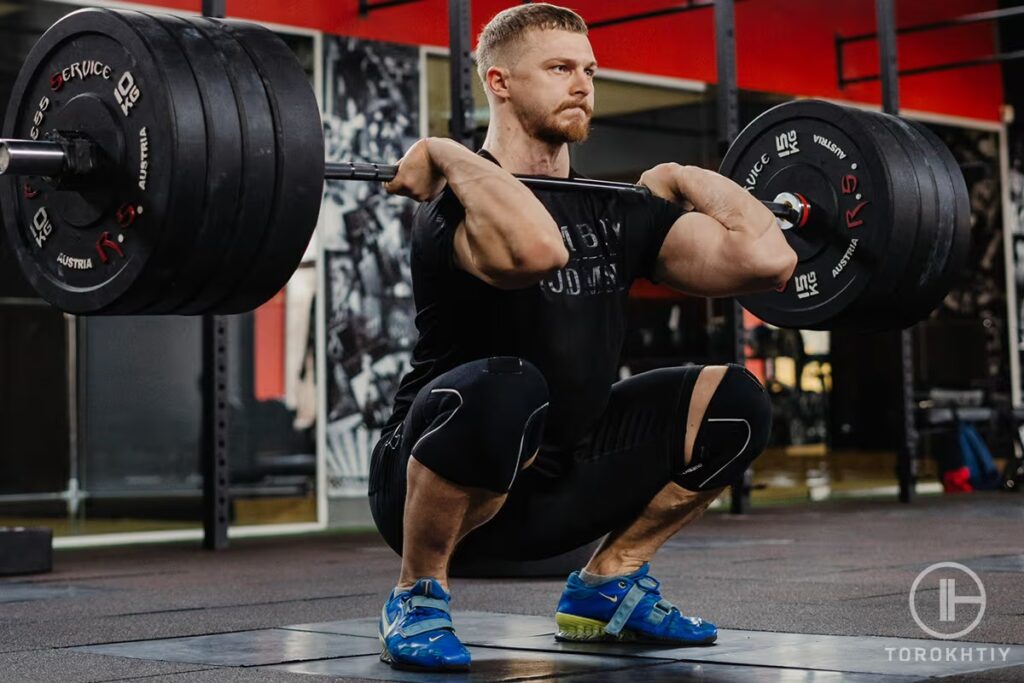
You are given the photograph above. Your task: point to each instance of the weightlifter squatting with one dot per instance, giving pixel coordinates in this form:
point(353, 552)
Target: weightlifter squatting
point(510, 435)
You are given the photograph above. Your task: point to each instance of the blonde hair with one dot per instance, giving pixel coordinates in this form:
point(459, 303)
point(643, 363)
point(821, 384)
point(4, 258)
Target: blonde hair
point(509, 26)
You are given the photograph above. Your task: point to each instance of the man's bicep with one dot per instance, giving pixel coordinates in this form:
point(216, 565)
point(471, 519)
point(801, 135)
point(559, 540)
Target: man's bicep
point(700, 256)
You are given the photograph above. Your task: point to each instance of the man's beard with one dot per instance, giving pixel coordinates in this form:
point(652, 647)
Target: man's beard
point(549, 127)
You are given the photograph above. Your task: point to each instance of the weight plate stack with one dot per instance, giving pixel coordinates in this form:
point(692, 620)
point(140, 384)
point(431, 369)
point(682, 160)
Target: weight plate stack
point(888, 305)
point(223, 165)
point(919, 292)
point(298, 191)
point(109, 249)
point(185, 215)
point(259, 168)
point(936, 288)
point(848, 248)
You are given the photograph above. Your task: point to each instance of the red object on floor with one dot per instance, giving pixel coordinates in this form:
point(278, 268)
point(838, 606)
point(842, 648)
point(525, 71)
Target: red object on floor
point(957, 481)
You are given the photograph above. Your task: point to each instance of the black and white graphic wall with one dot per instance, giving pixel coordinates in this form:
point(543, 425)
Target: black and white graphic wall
point(371, 113)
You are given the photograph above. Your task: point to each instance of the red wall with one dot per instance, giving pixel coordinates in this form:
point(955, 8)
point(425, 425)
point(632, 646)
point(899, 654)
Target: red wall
point(269, 349)
point(784, 46)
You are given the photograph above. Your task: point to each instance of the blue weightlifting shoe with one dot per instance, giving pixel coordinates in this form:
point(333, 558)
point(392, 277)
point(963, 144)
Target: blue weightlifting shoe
point(628, 608)
point(416, 630)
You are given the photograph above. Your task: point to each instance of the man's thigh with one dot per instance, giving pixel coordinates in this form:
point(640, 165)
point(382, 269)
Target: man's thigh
point(473, 425)
point(605, 483)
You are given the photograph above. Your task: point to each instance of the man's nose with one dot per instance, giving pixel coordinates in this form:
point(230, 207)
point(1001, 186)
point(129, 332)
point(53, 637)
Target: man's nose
point(581, 83)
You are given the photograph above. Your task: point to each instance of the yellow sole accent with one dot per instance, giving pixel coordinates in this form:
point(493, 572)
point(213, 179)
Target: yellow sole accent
point(572, 627)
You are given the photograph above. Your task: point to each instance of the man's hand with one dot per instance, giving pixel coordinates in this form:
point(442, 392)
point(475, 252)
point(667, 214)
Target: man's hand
point(661, 181)
point(419, 176)
point(709, 193)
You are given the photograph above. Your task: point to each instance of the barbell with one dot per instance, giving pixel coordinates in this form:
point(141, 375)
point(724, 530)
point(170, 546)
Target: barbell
point(153, 164)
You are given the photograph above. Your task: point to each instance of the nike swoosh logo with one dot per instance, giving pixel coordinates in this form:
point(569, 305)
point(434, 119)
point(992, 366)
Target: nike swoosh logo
point(613, 598)
point(435, 638)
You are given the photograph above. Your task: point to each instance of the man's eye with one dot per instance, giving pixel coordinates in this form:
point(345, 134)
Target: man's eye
point(559, 67)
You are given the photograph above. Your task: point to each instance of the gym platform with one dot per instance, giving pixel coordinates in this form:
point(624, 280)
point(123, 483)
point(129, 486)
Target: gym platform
point(811, 593)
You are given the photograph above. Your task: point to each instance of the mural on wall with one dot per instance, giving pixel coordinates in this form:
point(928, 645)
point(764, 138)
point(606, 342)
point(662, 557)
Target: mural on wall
point(1015, 222)
point(371, 113)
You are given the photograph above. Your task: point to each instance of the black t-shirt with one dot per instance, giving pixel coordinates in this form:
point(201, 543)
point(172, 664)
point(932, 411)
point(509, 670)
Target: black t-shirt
point(571, 325)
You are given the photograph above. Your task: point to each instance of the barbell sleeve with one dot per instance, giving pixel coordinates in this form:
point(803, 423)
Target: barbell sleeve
point(32, 157)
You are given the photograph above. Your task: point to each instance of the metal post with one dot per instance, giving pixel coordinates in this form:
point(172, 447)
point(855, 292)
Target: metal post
point(214, 449)
point(73, 498)
point(214, 8)
point(462, 124)
point(216, 504)
point(728, 128)
point(906, 468)
point(725, 59)
point(887, 63)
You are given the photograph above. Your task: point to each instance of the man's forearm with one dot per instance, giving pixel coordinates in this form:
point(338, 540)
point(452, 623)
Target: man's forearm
point(724, 200)
point(503, 218)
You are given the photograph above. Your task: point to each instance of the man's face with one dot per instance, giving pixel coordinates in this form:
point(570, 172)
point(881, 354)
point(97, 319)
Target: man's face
point(552, 85)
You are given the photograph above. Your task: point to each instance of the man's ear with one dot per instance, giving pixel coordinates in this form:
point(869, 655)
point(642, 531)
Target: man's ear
point(497, 81)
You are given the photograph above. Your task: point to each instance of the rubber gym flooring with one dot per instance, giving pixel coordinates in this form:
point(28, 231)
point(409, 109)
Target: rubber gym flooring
point(806, 593)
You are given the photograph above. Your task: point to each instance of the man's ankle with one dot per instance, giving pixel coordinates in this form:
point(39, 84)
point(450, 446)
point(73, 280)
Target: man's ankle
point(405, 583)
point(612, 568)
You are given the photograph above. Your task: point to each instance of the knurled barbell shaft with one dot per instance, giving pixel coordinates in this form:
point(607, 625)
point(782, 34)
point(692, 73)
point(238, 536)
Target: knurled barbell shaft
point(354, 170)
point(32, 157)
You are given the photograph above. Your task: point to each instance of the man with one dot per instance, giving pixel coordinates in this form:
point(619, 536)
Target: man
point(510, 435)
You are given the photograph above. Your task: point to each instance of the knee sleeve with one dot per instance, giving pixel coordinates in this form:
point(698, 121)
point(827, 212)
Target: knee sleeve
point(734, 431)
point(483, 421)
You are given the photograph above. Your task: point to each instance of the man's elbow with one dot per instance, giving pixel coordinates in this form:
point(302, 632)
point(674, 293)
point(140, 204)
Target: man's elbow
point(529, 265)
point(544, 256)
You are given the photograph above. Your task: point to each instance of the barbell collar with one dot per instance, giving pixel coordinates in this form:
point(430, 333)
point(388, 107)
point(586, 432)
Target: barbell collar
point(791, 208)
point(32, 158)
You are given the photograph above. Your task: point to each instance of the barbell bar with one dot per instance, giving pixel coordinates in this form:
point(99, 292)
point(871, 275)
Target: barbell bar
point(50, 159)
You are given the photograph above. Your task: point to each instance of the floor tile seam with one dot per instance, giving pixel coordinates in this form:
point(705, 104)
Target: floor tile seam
point(99, 577)
point(236, 605)
point(612, 655)
point(786, 667)
point(931, 642)
point(83, 646)
point(1003, 665)
point(574, 674)
point(297, 661)
point(326, 633)
point(209, 667)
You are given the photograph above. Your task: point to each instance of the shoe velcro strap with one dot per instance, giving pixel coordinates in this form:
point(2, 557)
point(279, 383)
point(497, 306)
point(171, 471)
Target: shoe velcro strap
point(426, 625)
point(648, 583)
point(625, 610)
point(423, 601)
point(659, 611)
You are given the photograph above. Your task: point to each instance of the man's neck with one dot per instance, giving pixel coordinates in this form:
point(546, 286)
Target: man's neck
point(518, 152)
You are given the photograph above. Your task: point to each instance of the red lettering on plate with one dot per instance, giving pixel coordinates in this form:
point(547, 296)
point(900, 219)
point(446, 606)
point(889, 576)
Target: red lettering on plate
point(851, 216)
